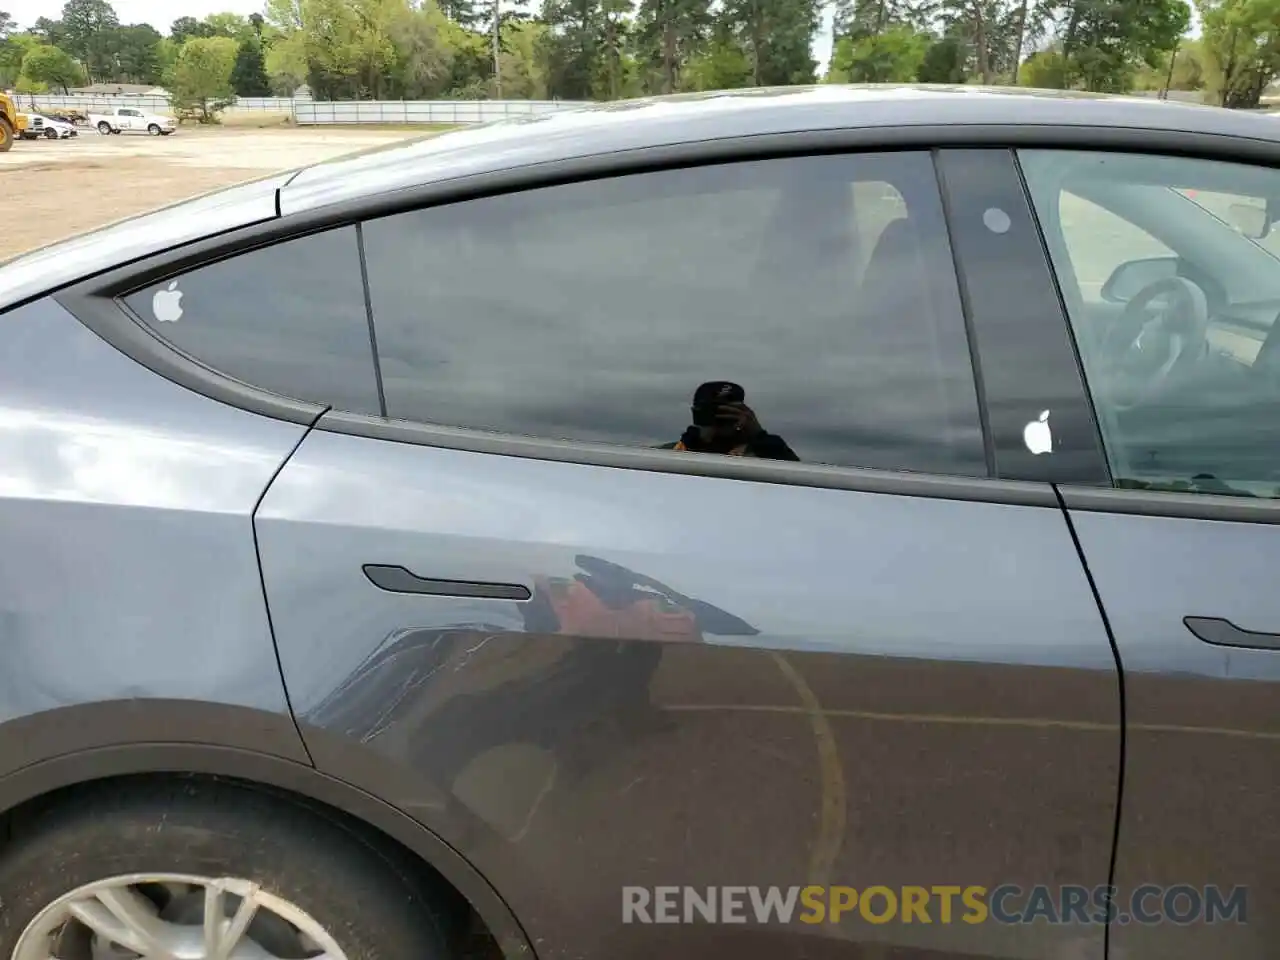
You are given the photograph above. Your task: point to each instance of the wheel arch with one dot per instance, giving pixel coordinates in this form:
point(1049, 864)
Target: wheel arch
point(278, 775)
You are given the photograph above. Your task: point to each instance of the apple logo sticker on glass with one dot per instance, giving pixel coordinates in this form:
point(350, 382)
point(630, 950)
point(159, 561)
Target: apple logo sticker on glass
point(1037, 435)
point(167, 304)
point(996, 220)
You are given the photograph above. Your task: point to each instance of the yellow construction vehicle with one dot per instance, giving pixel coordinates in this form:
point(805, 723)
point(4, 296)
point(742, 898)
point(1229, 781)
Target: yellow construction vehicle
point(12, 123)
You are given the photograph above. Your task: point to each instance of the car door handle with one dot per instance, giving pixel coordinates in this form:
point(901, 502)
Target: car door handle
point(1224, 633)
point(396, 579)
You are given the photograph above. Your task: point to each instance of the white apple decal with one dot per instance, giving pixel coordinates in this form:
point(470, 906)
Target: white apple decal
point(1037, 435)
point(167, 304)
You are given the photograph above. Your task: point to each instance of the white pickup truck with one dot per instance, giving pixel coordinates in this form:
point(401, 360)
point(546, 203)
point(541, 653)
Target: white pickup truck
point(131, 118)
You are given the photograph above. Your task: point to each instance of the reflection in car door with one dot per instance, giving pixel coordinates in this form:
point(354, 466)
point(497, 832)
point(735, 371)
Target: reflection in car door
point(591, 668)
point(1187, 580)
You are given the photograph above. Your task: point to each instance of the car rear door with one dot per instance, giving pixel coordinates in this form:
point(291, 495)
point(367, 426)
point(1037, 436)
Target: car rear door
point(1184, 551)
point(601, 669)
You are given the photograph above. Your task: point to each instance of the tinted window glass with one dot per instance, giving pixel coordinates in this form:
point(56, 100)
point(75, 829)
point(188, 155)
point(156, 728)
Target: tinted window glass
point(822, 287)
point(1179, 347)
point(289, 318)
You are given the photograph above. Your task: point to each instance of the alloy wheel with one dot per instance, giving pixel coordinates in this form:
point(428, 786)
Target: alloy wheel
point(174, 917)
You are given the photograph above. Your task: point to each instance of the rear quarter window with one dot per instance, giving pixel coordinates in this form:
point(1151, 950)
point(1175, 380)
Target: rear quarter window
point(289, 318)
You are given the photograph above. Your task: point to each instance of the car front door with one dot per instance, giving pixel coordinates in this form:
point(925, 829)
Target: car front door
point(641, 663)
point(1174, 313)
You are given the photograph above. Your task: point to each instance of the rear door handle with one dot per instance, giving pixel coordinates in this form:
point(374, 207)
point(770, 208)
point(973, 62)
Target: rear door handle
point(1224, 633)
point(396, 579)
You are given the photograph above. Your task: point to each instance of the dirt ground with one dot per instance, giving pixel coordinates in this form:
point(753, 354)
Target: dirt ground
point(62, 188)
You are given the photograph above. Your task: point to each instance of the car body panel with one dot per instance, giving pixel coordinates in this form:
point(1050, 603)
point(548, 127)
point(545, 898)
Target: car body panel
point(1202, 753)
point(867, 731)
point(129, 576)
point(690, 118)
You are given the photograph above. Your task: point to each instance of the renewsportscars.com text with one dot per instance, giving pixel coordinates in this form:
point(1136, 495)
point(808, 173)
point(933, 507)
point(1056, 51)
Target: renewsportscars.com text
point(945, 904)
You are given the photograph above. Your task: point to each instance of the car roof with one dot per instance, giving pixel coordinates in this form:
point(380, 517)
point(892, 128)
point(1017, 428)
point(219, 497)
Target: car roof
point(687, 118)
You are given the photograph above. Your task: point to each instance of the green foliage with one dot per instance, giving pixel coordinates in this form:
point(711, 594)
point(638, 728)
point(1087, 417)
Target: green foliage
point(136, 55)
point(49, 67)
point(1046, 69)
point(1242, 48)
point(89, 32)
point(776, 36)
point(1105, 44)
point(892, 56)
point(200, 79)
point(606, 49)
point(669, 35)
point(13, 49)
point(249, 75)
point(723, 65)
point(946, 61)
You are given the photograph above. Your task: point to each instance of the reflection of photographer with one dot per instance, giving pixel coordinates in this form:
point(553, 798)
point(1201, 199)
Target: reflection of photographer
point(724, 424)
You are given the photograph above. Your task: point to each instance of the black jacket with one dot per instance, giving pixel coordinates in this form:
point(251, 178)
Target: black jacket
point(764, 445)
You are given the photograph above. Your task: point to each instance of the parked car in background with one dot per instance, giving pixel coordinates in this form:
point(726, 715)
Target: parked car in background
point(133, 120)
point(39, 125)
point(409, 543)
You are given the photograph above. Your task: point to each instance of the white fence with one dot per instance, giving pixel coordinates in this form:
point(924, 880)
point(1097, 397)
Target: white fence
point(421, 111)
point(92, 104)
point(320, 111)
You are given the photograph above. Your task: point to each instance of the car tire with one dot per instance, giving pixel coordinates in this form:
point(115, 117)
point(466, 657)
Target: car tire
point(148, 844)
point(104, 128)
point(154, 130)
point(51, 134)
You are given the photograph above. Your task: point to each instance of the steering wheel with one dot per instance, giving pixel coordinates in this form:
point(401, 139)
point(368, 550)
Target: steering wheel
point(1144, 351)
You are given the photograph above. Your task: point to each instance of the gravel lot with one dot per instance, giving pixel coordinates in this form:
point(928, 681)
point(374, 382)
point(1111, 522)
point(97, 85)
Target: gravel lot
point(69, 186)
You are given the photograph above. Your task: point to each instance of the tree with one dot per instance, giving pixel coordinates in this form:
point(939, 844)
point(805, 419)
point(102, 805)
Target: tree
point(249, 75)
point(892, 56)
point(13, 50)
point(570, 49)
point(1104, 44)
point(50, 66)
point(465, 13)
point(721, 65)
point(200, 79)
point(670, 33)
point(777, 36)
point(49, 31)
point(424, 41)
point(228, 25)
point(521, 72)
point(1045, 69)
point(946, 61)
point(89, 29)
point(136, 54)
point(187, 28)
point(1242, 46)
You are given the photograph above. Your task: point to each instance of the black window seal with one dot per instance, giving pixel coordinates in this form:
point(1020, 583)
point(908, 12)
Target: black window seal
point(94, 299)
point(857, 479)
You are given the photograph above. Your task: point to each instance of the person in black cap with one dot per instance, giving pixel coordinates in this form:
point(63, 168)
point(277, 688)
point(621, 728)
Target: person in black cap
point(724, 424)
